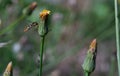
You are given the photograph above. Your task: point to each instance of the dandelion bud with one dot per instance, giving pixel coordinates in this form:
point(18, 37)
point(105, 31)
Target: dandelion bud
point(43, 27)
point(8, 70)
point(30, 8)
point(89, 62)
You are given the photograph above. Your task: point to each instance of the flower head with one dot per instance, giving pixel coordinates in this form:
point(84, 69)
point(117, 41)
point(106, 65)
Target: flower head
point(44, 14)
point(29, 9)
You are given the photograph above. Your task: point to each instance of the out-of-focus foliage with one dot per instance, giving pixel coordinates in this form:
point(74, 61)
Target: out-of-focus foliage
point(73, 24)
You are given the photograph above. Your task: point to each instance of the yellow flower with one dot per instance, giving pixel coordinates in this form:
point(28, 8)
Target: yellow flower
point(44, 14)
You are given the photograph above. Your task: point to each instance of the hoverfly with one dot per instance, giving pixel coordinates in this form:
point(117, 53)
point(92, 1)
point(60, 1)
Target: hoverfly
point(33, 24)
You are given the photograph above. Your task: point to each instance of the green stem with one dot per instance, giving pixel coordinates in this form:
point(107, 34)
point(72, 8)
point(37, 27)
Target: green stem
point(117, 36)
point(12, 25)
point(87, 74)
point(41, 54)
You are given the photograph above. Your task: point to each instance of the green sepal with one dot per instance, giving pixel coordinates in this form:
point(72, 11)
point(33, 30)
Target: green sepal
point(42, 30)
point(89, 63)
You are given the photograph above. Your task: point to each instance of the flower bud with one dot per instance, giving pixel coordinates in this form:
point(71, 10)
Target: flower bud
point(8, 70)
point(28, 11)
point(89, 62)
point(43, 27)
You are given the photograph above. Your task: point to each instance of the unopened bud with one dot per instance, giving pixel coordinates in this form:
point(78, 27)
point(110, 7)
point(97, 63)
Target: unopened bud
point(89, 62)
point(8, 70)
point(30, 8)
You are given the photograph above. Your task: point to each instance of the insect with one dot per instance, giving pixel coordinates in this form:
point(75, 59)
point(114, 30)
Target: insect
point(33, 24)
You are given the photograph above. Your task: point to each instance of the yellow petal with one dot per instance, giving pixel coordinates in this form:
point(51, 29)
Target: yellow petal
point(44, 14)
point(93, 44)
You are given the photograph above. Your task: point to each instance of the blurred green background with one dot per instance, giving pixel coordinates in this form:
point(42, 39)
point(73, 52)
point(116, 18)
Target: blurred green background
point(73, 25)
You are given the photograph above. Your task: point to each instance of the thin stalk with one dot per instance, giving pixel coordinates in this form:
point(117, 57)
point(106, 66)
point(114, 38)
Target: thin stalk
point(41, 54)
point(117, 35)
point(12, 25)
point(86, 74)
